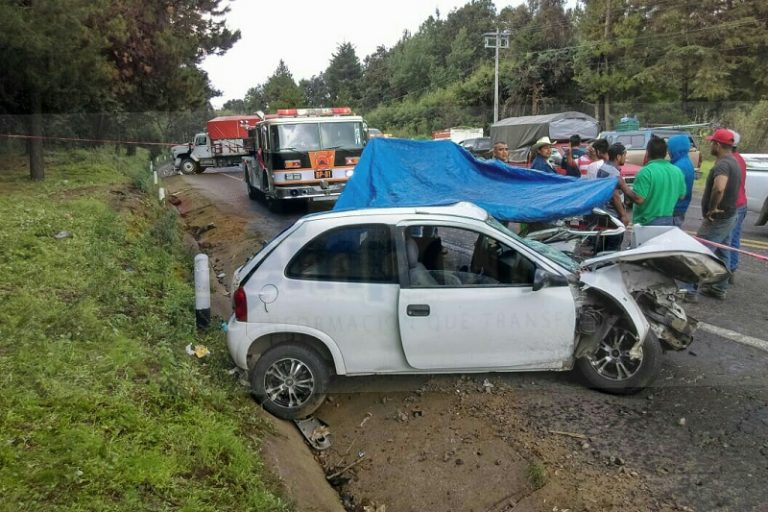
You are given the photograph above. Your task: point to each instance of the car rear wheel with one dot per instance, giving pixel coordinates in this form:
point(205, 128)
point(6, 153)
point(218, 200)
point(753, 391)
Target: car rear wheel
point(617, 366)
point(290, 381)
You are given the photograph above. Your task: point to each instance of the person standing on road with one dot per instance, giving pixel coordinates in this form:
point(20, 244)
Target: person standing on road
point(600, 147)
point(542, 151)
point(679, 146)
point(501, 151)
point(741, 208)
point(617, 154)
point(657, 188)
point(572, 155)
point(718, 205)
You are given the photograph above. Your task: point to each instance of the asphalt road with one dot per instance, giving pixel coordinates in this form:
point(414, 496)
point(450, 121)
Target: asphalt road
point(699, 435)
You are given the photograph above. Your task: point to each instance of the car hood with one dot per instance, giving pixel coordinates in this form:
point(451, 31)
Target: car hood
point(668, 250)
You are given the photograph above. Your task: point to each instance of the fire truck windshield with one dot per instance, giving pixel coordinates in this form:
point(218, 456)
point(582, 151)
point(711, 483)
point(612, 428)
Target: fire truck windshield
point(314, 136)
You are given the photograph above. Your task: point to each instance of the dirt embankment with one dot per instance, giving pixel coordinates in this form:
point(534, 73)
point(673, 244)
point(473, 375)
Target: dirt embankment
point(443, 443)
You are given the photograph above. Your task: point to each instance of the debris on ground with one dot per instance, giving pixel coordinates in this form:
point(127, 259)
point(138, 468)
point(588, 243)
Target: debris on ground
point(62, 234)
point(316, 432)
point(200, 351)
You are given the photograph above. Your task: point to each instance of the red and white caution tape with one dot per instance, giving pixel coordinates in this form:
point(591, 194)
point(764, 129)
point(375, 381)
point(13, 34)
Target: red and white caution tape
point(729, 248)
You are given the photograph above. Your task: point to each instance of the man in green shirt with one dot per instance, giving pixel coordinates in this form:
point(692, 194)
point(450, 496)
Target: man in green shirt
point(657, 188)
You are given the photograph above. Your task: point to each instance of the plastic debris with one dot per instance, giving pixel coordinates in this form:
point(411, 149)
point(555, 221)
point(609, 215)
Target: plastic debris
point(200, 351)
point(315, 432)
point(62, 234)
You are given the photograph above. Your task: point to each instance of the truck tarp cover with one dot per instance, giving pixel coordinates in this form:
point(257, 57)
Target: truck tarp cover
point(520, 133)
point(231, 127)
point(398, 172)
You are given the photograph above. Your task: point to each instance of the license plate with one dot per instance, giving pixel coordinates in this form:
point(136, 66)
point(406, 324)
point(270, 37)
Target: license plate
point(324, 198)
point(326, 173)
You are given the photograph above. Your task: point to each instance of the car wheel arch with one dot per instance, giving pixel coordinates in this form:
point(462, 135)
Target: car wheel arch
point(326, 349)
point(596, 298)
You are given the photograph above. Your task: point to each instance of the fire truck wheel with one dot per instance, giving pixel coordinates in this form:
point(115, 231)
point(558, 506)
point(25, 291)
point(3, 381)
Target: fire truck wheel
point(253, 194)
point(188, 166)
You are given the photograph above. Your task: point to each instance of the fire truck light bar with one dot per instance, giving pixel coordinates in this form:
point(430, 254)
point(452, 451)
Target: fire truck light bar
point(297, 112)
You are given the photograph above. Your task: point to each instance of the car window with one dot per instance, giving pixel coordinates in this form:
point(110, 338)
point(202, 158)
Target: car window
point(453, 257)
point(360, 253)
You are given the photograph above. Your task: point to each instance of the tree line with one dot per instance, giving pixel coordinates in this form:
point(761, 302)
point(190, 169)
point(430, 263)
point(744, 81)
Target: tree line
point(130, 70)
point(668, 61)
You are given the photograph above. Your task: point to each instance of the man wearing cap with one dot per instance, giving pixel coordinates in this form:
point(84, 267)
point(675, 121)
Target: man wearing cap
point(542, 151)
point(741, 207)
point(718, 205)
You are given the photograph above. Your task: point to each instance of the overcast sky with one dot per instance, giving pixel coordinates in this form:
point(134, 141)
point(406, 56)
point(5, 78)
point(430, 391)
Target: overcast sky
point(305, 33)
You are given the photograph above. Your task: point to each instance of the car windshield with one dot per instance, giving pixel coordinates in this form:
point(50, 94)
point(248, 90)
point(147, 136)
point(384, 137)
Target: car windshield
point(558, 257)
point(316, 136)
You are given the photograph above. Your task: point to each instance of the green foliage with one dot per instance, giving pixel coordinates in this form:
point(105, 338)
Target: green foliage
point(342, 77)
point(537, 475)
point(101, 407)
point(280, 90)
point(751, 121)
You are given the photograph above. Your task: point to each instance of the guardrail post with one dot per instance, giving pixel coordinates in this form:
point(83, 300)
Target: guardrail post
point(202, 292)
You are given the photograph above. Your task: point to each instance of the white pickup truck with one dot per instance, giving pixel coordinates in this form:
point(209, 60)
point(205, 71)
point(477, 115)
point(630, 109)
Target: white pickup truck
point(757, 185)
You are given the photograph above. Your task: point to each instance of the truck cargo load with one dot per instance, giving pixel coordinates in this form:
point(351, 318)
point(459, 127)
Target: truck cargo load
point(231, 127)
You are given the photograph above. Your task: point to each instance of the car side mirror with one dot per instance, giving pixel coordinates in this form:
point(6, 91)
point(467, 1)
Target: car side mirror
point(543, 279)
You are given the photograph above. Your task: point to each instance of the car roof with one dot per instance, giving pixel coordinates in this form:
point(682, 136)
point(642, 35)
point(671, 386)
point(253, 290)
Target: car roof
point(463, 209)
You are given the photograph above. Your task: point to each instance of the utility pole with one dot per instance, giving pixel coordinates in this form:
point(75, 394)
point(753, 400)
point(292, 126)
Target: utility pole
point(607, 37)
point(496, 40)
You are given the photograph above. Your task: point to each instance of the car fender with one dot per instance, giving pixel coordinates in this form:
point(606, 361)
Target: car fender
point(610, 282)
point(258, 331)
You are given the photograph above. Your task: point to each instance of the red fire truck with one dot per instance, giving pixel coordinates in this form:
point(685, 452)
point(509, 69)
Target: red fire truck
point(303, 154)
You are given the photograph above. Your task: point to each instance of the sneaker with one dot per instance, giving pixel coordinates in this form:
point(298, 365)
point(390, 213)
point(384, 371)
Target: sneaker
point(713, 292)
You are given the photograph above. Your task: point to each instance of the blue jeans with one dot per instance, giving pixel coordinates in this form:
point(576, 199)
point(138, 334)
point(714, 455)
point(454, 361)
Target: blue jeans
point(678, 218)
point(718, 231)
point(661, 221)
point(733, 261)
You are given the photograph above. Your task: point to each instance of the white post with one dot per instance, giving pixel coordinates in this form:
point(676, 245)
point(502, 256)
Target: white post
point(155, 174)
point(161, 194)
point(202, 292)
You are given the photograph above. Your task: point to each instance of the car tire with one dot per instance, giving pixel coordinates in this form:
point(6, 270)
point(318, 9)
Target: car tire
point(188, 166)
point(277, 372)
point(763, 217)
point(610, 368)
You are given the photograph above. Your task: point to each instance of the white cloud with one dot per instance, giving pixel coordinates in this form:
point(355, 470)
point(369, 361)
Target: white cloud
point(305, 34)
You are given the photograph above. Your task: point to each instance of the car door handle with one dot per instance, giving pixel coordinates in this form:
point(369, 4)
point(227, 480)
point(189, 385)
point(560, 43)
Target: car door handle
point(417, 310)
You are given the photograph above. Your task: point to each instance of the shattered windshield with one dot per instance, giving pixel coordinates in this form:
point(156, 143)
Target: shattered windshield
point(558, 257)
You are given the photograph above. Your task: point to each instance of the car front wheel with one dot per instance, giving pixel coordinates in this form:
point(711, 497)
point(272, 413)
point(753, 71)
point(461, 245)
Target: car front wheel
point(290, 381)
point(618, 366)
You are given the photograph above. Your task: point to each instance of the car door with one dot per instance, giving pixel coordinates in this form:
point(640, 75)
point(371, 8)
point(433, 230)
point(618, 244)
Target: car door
point(466, 301)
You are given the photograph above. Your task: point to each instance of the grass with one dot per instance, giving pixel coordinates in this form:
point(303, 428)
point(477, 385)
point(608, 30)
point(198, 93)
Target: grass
point(101, 408)
point(537, 475)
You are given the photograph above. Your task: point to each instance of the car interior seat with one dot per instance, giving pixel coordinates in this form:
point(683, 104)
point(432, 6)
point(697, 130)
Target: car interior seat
point(417, 272)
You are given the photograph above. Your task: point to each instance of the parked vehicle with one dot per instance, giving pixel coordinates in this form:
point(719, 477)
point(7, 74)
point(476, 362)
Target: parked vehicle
point(303, 154)
point(757, 185)
point(450, 290)
point(479, 146)
point(457, 133)
point(637, 140)
point(223, 145)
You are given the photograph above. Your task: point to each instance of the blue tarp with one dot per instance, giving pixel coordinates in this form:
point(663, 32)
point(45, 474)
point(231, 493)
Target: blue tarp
point(399, 172)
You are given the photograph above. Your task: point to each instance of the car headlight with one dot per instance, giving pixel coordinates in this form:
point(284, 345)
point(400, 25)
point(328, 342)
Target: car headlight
point(350, 172)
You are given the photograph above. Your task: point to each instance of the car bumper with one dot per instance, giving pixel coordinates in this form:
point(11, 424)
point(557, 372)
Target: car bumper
point(328, 192)
point(238, 342)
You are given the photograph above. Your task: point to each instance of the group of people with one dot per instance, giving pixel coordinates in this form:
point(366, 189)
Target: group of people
point(662, 191)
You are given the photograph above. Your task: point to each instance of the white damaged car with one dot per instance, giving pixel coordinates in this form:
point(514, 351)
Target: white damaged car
point(451, 290)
